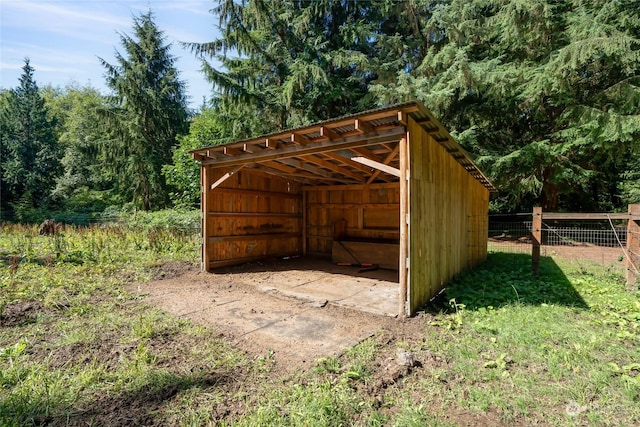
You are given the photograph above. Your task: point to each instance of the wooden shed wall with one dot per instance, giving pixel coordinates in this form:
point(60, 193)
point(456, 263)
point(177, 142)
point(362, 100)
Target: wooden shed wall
point(250, 216)
point(447, 217)
point(371, 212)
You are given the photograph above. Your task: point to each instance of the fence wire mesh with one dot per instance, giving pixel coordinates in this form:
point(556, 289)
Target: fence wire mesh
point(595, 240)
point(510, 233)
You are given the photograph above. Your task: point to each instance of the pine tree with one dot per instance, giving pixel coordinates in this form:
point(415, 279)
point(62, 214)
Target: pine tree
point(294, 62)
point(546, 92)
point(147, 112)
point(30, 153)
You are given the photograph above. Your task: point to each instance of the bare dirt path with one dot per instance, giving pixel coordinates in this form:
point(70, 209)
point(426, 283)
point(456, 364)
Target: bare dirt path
point(266, 313)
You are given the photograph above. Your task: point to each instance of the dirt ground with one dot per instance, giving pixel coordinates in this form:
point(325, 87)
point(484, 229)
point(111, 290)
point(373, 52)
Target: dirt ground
point(298, 310)
point(577, 251)
point(303, 309)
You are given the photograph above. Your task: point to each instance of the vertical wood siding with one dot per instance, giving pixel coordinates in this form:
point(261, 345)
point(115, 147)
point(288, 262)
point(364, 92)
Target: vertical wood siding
point(447, 218)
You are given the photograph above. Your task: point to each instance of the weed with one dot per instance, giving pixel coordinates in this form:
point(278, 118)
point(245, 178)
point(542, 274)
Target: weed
point(501, 346)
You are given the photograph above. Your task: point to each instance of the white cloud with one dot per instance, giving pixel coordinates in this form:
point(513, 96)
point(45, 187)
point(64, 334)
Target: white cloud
point(82, 20)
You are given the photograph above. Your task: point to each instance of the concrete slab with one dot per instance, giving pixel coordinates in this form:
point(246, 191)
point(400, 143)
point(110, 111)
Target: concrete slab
point(315, 280)
point(293, 309)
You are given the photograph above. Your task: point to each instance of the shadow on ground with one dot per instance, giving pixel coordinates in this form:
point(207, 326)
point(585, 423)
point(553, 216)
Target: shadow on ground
point(141, 404)
point(311, 263)
point(506, 279)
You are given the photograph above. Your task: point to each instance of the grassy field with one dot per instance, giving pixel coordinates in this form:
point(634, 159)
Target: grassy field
point(499, 348)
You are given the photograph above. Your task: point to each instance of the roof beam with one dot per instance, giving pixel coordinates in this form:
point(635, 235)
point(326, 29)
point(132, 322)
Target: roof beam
point(346, 160)
point(333, 167)
point(377, 165)
point(327, 134)
point(230, 151)
point(362, 140)
point(362, 126)
point(366, 153)
point(392, 155)
point(261, 169)
point(273, 168)
point(298, 139)
point(299, 165)
point(226, 176)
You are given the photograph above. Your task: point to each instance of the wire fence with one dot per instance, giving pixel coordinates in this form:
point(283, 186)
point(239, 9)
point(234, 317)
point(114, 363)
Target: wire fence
point(596, 240)
point(510, 233)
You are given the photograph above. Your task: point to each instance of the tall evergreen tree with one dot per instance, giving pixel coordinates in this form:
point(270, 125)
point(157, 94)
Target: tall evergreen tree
point(147, 112)
point(294, 61)
point(545, 91)
point(30, 154)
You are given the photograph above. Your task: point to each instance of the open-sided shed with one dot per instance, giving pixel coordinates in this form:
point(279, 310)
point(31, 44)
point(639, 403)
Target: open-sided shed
point(389, 187)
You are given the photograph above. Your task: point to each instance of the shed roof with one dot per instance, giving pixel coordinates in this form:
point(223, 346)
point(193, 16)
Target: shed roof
point(355, 149)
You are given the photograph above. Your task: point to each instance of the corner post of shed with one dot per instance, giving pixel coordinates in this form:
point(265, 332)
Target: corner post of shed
point(403, 307)
point(633, 246)
point(536, 234)
point(204, 215)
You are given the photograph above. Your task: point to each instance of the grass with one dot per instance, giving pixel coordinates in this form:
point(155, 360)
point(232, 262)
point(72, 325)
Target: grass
point(499, 347)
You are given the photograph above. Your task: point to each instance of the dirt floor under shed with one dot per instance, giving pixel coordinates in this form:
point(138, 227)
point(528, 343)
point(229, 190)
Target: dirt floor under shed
point(298, 309)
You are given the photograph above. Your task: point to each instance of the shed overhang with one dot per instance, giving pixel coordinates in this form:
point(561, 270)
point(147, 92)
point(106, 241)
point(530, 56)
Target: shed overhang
point(357, 149)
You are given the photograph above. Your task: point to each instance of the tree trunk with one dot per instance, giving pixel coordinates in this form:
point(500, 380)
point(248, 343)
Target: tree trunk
point(549, 196)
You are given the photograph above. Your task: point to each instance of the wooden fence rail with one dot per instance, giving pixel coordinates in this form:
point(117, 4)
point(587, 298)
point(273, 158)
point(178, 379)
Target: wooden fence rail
point(631, 251)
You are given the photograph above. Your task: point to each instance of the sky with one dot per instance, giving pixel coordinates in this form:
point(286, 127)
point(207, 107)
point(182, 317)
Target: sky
point(63, 39)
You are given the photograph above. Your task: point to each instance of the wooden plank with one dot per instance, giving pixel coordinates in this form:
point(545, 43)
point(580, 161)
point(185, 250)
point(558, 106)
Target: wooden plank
point(299, 139)
point(536, 231)
point(366, 153)
point(244, 260)
point(353, 205)
point(304, 223)
point(255, 215)
point(363, 187)
point(363, 126)
point(258, 193)
point(387, 219)
point(226, 176)
point(392, 155)
point(231, 151)
point(333, 167)
point(356, 141)
point(328, 134)
point(249, 237)
point(384, 255)
point(633, 248)
point(440, 189)
point(204, 207)
point(377, 165)
point(403, 247)
point(585, 216)
point(304, 165)
point(348, 162)
point(260, 169)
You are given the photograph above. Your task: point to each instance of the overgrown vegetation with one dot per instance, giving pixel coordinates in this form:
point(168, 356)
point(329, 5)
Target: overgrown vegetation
point(500, 347)
point(544, 94)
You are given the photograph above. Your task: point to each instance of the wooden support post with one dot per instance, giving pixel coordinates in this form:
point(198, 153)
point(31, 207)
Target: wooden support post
point(633, 247)
point(403, 309)
point(536, 234)
point(204, 208)
point(304, 223)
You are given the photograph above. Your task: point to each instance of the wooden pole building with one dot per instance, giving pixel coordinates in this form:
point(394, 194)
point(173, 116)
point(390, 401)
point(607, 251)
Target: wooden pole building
point(389, 187)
